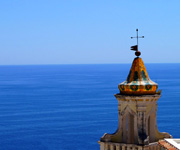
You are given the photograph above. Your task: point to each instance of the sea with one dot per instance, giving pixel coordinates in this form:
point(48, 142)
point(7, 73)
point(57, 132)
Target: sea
point(69, 107)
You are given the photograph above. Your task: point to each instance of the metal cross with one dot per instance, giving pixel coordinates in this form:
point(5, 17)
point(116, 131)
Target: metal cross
point(137, 37)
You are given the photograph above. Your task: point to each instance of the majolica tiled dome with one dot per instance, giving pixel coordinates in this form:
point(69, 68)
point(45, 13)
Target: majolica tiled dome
point(138, 82)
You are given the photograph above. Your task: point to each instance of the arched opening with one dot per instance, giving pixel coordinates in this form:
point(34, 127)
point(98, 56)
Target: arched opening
point(128, 128)
point(149, 125)
point(125, 127)
point(131, 129)
point(151, 128)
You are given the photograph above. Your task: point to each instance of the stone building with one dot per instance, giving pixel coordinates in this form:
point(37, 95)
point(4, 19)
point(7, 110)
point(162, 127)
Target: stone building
point(137, 109)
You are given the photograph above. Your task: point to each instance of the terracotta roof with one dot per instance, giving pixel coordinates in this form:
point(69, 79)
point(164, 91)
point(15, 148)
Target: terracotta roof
point(166, 145)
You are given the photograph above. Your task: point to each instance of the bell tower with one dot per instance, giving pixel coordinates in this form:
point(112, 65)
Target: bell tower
point(137, 109)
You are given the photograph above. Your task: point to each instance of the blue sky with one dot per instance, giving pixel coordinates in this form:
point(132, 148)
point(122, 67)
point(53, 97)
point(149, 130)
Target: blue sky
point(88, 31)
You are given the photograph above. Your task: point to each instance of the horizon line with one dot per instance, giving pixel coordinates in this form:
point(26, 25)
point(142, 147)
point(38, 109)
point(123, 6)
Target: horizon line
point(83, 64)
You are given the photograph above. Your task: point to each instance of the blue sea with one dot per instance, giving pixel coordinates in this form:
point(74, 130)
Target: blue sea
point(65, 107)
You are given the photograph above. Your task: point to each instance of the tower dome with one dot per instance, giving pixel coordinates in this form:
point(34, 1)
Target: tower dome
point(138, 81)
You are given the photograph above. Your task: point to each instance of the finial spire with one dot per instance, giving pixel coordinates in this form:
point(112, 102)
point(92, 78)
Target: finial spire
point(135, 47)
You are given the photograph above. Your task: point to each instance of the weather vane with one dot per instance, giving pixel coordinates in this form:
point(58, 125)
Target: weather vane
point(135, 47)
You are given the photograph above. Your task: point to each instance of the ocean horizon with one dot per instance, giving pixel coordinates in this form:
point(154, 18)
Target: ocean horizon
point(54, 64)
point(70, 106)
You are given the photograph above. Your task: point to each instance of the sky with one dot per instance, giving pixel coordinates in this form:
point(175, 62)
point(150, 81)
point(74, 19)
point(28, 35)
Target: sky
point(88, 31)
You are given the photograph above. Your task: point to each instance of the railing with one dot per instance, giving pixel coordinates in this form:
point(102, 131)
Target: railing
point(121, 146)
